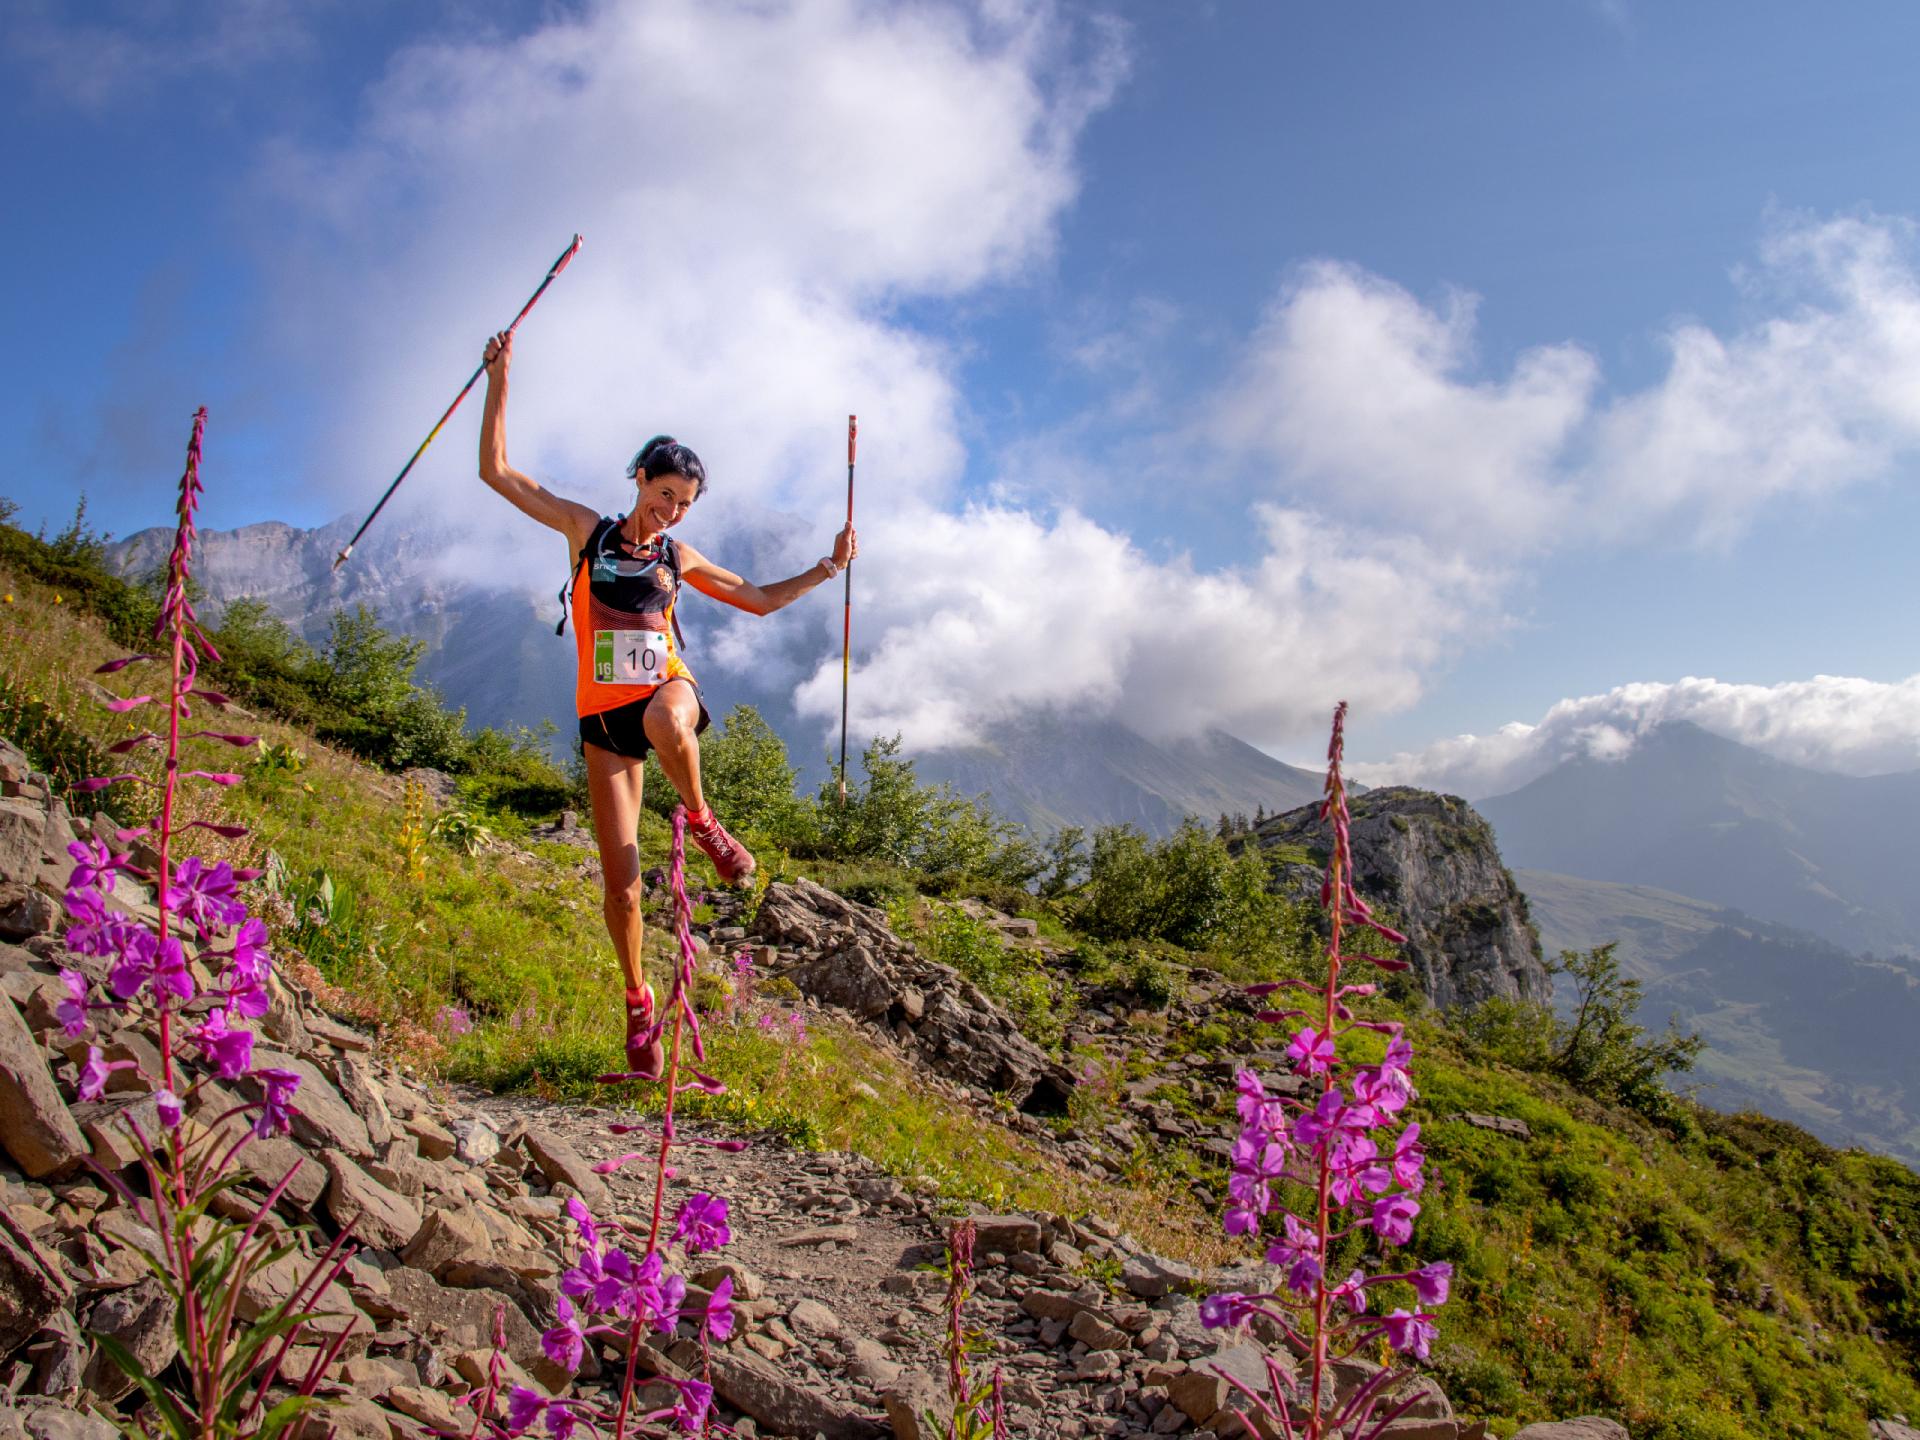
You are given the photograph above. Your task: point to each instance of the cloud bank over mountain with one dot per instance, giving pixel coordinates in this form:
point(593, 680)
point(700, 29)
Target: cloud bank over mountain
point(1849, 726)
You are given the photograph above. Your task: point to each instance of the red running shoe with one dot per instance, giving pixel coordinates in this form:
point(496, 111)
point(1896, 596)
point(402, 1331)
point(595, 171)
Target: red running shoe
point(645, 1055)
point(732, 859)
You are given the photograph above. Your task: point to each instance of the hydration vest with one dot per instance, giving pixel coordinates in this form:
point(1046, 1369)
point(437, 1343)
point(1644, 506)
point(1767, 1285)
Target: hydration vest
point(625, 595)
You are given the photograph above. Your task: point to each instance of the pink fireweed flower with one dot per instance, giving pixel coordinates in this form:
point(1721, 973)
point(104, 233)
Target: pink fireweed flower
point(716, 1316)
point(1250, 1187)
point(1411, 1334)
point(230, 1051)
point(88, 911)
point(1409, 1156)
point(245, 998)
point(566, 1343)
point(673, 1296)
point(171, 977)
point(205, 895)
point(586, 1277)
point(93, 865)
point(94, 1071)
point(696, 1398)
point(1357, 1171)
point(1298, 1253)
point(524, 1406)
point(1332, 1120)
point(1311, 1052)
point(134, 968)
point(167, 1105)
point(1392, 1218)
point(251, 961)
point(584, 1222)
point(276, 1105)
point(1218, 1312)
point(1351, 1292)
point(72, 1011)
point(453, 1020)
point(701, 1223)
point(1433, 1282)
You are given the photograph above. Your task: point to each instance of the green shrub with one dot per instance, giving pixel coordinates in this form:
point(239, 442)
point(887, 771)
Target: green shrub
point(1014, 977)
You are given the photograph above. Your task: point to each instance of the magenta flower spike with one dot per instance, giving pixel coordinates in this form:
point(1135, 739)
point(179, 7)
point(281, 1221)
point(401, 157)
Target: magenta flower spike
point(1344, 1143)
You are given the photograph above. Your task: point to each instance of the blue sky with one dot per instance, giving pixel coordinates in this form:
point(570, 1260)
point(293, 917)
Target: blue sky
point(1125, 284)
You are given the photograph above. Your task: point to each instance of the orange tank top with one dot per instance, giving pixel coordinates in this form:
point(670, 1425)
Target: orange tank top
point(623, 630)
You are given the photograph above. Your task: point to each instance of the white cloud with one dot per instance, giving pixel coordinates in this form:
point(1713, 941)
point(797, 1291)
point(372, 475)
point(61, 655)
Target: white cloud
point(1822, 394)
point(1848, 725)
point(1360, 398)
point(759, 186)
point(1356, 391)
point(997, 611)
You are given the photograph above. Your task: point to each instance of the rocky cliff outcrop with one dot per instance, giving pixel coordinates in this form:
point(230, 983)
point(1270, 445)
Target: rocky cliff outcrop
point(1431, 862)
point(843, 954)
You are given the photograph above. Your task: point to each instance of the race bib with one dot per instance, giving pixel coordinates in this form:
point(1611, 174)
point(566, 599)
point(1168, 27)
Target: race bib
point(630, 657)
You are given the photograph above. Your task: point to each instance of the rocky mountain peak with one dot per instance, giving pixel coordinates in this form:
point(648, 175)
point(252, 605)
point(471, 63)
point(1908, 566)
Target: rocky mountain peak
point(1431, 861)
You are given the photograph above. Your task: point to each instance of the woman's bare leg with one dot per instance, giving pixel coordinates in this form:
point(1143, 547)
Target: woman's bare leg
point(669, 720)
point(614, 783)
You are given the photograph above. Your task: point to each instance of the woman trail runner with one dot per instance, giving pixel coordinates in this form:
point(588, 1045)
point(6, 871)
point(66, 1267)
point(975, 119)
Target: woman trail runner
point(634, 692)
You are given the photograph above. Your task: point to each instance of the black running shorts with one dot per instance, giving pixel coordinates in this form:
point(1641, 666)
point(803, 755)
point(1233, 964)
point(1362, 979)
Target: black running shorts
point(623, 730)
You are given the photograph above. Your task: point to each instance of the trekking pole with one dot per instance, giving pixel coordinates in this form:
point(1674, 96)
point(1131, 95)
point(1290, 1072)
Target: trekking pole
point(558, 266)
point(846, 624)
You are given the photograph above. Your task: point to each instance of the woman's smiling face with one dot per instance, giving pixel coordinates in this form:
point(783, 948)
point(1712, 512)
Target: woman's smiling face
point(663, 502)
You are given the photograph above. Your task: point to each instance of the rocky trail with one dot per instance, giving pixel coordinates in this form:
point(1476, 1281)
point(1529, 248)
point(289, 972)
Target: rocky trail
point(457, 1198)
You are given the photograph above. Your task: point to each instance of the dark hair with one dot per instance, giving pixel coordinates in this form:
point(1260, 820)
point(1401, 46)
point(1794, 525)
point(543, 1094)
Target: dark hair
point(664, 455)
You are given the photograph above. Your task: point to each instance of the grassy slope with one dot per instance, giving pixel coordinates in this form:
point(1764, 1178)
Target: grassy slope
point(1714, 1278)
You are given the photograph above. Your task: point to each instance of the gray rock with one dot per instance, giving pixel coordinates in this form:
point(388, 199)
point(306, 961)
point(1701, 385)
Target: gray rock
point(321, 1119)
point(35, 1126)
point(907, 1401)
point(1508, 1125)
point(561, 1164)
point(1150, 1277)
point(447, 1238)
point(1584, 1427)
point(54, 1422)
point(379, 1217)
point(25, 912)
point(1096, 1334)
point(755, 1387)
point(366, 1096)
point(474, 1141)
point(1007, 1233)
point(32, 1284)
point(141, 1319)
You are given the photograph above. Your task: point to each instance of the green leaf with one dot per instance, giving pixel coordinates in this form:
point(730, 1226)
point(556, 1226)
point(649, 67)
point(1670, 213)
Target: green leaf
point(291, 1408)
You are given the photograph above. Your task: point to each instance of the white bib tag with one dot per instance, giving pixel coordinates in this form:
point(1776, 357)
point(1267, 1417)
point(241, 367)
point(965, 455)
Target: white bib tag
point(630, 657)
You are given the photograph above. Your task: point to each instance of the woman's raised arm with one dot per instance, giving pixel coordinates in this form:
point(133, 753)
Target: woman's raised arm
point(526, 494)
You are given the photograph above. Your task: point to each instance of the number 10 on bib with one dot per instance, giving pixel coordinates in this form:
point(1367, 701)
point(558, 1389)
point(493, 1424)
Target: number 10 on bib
point(629, 657)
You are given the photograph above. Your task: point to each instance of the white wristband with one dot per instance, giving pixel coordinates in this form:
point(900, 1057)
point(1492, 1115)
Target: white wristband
point(826, 564)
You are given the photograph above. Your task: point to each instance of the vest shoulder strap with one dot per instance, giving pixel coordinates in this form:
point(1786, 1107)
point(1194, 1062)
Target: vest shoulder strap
point(566, 591)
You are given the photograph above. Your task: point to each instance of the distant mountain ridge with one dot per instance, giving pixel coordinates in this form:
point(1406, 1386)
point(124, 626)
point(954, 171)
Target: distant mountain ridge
point(493, 651)
point(1056, 772)
point(1795, 1026)
point(1689, 812)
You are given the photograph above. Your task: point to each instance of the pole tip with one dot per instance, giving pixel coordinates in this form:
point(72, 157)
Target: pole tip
point(341, 558)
